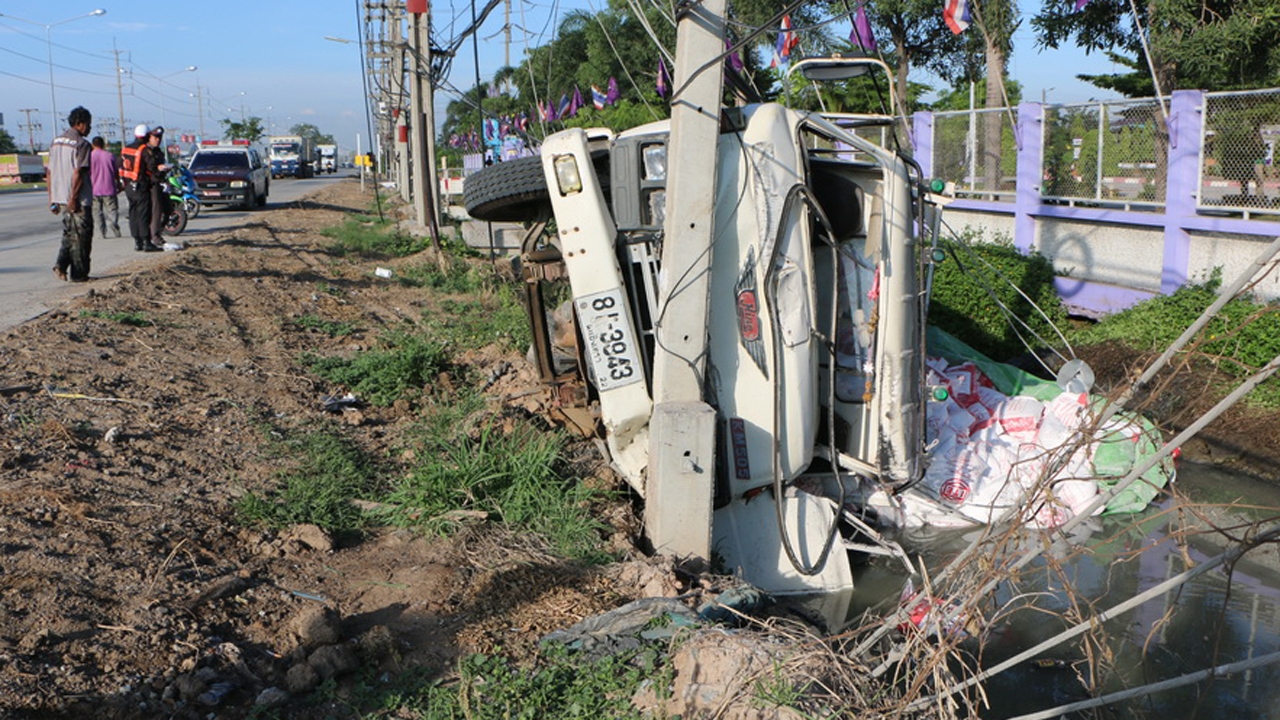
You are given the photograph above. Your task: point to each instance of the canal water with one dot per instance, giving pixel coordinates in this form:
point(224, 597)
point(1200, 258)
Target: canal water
point(1217, 618)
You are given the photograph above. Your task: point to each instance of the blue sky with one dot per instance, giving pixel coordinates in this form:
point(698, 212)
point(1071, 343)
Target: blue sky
point(270, 59)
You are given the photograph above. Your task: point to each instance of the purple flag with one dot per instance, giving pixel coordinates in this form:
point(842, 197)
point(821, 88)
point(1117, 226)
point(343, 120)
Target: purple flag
point(611, 94)
point(860, 36)
point(1080, 4)
point(734, 59)
point(576, 104)
point(664, 80)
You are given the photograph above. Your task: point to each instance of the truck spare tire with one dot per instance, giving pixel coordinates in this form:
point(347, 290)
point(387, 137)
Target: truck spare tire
point(516, 190)
point(510, 191)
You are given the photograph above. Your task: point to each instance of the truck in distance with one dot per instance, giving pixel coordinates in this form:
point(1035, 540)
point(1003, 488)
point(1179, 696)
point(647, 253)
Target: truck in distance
point(292, 156)
point(328, 158)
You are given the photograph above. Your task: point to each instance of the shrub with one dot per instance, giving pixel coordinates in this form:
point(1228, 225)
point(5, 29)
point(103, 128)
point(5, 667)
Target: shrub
point(973, 283)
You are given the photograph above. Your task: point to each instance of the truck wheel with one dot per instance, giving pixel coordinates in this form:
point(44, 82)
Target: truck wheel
point(262, 199)
point(511, 191)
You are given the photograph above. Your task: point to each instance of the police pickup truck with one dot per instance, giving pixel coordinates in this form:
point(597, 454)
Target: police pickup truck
point(230, 174)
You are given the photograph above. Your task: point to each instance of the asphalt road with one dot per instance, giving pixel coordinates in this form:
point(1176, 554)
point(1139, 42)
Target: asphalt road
point(30, 236)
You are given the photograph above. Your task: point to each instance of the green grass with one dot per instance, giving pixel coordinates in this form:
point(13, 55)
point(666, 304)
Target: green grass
point(459, 278)
point(493, 317)
point(489, 687)
point(405, 364)
point(372, 238)
point(328, 472)
point(515, 478)
point(133, 318)
point(328, 327)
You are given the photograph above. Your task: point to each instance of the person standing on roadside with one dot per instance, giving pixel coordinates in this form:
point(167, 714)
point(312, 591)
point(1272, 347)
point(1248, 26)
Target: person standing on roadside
point(156, 167)
point(71, 195)
point(137, 187)
point(105, 173)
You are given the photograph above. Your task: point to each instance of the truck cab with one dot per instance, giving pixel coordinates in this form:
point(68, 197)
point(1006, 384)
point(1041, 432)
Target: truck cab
point(292, 156)
point(814, 366)
point(328, 158)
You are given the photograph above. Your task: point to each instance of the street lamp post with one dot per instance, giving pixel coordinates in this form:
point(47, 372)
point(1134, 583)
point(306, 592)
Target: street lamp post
point(190, 68)
point(48, 41)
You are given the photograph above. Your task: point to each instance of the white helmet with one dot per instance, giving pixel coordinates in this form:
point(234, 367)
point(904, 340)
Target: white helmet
point(141, 131)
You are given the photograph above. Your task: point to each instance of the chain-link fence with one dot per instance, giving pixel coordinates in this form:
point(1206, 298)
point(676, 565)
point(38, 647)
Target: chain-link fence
point(975, 149)
point(1238, 160)
point(1106, 152)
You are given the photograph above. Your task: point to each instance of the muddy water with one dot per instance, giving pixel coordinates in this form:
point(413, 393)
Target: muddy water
point(1216, 619)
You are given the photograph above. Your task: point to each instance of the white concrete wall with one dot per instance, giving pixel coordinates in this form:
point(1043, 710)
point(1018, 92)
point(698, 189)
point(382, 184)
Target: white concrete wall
point(1235, 254)
point(1128, 256)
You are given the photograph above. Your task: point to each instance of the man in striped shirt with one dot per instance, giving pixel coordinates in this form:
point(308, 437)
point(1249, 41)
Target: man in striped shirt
point(71, 195)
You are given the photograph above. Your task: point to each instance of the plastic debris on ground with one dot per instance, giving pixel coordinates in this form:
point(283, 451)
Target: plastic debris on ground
point(338, 403)
point(731, 605)
point(625, 628)
point(934, 616)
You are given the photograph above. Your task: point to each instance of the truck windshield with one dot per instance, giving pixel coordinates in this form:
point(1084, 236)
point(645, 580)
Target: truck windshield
point(290, 149)
point(219, 160)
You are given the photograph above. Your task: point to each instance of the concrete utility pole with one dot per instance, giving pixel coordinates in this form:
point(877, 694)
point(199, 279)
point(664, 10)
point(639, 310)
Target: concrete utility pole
point(681, 480)
point(421, 152)
point(124, 138)
point(403, 125)
point(200, 106)
point(30, 126)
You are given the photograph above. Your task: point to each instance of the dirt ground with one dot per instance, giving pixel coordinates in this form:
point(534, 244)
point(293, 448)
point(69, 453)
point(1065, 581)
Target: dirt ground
point(127, 588)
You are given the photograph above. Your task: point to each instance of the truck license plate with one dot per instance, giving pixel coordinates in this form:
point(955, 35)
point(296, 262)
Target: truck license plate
point(610, 339)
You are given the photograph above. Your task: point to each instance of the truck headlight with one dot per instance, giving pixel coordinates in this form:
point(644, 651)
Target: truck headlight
point(236, 184)
point(567, 176)
point(655, 161)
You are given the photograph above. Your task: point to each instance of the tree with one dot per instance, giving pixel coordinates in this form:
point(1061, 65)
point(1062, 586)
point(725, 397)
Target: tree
point(1211, 44)
point(913, 34)
point(7, 144)
point(307, 130)
point(248, 129)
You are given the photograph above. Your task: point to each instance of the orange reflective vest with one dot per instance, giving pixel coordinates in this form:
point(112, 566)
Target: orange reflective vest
point(131, 162)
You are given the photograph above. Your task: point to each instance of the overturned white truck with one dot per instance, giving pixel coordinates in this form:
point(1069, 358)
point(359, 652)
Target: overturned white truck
point(805, 341)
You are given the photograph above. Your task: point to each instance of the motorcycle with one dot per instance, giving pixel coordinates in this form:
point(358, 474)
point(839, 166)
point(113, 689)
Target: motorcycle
point(181, 187)
point(173, 205)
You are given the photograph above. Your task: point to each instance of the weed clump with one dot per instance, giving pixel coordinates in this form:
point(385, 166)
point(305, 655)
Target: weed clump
point(134, 318)
point(372, 238)
point(406, 361)
point(329, 471)
point(515, 477)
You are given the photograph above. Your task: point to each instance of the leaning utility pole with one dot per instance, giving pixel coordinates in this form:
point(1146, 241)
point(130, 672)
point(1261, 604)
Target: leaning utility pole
point(682, 437)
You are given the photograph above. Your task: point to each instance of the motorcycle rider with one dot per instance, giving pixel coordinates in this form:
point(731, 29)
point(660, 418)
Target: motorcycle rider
point(138, 183)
